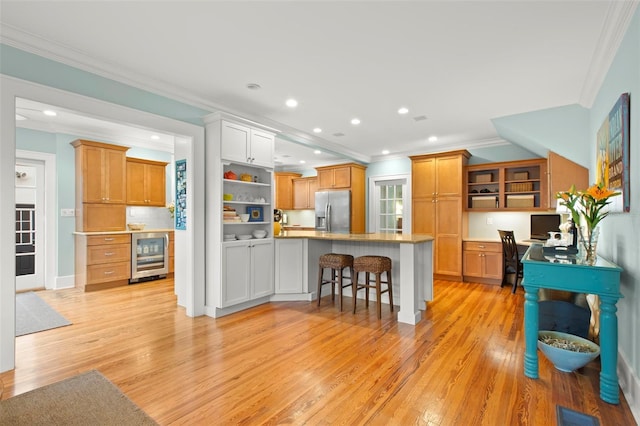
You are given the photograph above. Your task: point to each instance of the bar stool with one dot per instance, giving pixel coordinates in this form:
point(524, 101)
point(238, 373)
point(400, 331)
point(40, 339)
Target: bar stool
point(373, 265)
point(337, 263)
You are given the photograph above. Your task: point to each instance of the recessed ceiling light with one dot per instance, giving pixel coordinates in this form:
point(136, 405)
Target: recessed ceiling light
point(49, 113)
point(317, 152)
point(385, 151)
point(302, 161)
point(432, 138)
point(317, 130)
point(355, 121)
point(291, 103)
point(403, 110)
point(20, 117)
point(253, 86)
point(155, 137)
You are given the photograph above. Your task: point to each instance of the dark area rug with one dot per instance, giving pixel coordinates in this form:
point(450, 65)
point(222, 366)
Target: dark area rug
point(34, 314)
point(85, 399)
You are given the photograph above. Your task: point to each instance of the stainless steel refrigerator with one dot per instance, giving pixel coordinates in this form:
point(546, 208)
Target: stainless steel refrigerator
point(333, 211)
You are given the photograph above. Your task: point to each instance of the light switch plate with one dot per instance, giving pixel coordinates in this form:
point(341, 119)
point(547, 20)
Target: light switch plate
point(489, 221)
point(67, 212)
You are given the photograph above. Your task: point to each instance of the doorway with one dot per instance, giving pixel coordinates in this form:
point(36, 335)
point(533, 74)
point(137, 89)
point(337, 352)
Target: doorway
point(390, 204)
point(30, 225)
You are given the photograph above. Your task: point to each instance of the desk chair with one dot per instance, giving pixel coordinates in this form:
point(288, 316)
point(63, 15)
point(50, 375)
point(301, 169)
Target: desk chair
point(511, 259)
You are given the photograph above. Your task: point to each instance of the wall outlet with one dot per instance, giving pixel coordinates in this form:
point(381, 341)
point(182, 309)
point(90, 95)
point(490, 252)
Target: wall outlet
point(489, 221)
point(67, 212)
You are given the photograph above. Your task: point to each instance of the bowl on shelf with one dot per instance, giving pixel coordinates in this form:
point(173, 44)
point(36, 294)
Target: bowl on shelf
point(244, 237)
point(566, 351)
point(244, 217)
point(229, 236)
point(227, 197)
point(259, 233)
point(135, 226)
point(246, 177)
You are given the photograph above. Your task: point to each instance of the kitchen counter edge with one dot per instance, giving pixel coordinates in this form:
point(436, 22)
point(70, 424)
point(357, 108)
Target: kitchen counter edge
point(371, 237)
point(122, 232)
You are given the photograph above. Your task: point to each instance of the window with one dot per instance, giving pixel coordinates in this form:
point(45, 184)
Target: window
point(390, 201)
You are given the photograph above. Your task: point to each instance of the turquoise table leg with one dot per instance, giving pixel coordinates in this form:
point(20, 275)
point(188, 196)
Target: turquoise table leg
point(608, 350)
point(530, 332)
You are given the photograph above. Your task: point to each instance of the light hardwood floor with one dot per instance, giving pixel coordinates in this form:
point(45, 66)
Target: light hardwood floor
point(295, 363)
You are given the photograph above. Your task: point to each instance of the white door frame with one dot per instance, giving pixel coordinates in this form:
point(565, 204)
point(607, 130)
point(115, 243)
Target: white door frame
point(406, 201)
point(48, 250)
point(189, 273)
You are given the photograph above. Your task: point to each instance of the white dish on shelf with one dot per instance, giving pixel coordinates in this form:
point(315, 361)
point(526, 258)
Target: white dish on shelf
point(245, 237)
point(226, 240)
point(259, 233)
point(229, 236)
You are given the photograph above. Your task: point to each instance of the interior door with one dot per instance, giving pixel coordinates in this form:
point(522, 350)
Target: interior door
point(29, 218)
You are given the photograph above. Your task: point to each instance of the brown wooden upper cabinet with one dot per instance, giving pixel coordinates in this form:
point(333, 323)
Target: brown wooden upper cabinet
point(334, 177)
point(521, 185)
point(350, 176)
point(284, 189)
point(101, 175)
point(146, 182)
point(304, 193)
point(102, 170)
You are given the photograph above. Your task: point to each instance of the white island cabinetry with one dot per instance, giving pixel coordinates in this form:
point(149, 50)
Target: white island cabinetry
point(239, 272)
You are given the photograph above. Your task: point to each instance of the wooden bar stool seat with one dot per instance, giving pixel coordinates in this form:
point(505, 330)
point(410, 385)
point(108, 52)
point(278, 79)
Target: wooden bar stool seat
point(373, 265)
point(336, 263)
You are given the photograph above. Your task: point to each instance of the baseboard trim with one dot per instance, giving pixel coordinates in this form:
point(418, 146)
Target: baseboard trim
point(68, 281)
point(630, 386)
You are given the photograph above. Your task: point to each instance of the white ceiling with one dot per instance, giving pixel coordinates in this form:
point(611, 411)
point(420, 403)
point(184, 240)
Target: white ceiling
point(458, 63)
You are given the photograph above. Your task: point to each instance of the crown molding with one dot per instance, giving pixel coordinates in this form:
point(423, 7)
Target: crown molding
point(66, 55)
point(101, 136)
point(615, 26)
point(440, 147)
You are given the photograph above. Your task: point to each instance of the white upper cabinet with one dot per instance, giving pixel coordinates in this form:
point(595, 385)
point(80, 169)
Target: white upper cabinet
point(243, 144)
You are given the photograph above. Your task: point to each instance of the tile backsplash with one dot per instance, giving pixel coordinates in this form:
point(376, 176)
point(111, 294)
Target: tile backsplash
point(152, 217)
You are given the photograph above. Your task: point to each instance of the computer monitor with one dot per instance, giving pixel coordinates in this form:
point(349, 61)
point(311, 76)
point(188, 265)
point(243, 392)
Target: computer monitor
point(542, 224)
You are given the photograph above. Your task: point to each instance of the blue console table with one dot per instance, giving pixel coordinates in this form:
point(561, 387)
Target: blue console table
point(602, 279)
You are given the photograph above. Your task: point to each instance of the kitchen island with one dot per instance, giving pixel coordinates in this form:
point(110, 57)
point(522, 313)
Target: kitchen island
point(297, 254)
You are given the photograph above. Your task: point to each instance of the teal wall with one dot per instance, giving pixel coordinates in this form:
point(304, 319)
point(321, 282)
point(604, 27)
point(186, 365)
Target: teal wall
point(26, 66)
point(620, 231)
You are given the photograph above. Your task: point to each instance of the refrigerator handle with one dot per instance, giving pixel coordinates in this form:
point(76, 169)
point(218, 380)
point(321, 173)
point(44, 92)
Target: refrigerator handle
point(328, 217)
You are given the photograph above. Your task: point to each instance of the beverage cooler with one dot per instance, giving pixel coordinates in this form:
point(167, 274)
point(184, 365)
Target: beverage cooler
point(149, 256)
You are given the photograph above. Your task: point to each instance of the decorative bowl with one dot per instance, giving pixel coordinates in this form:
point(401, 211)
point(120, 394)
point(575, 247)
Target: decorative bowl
point(227, 197)
point(244, 217)
point(259, 233)
point(567, 360)
point(246, 177)
point(244, 237)
point(135, 226)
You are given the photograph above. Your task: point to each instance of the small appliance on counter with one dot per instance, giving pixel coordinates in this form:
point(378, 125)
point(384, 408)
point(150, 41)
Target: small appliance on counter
point(277, 217)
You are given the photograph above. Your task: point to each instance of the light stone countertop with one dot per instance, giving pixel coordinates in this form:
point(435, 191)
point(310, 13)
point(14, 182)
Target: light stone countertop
point(371, 237)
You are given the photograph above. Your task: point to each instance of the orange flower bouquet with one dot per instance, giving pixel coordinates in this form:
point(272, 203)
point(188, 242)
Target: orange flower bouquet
point(589, 207)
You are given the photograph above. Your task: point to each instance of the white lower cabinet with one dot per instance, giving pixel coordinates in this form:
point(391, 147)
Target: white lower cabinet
point(290, 255)
point(247, 271)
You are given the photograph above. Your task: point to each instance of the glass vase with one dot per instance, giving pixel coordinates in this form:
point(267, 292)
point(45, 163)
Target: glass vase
point(588, 244)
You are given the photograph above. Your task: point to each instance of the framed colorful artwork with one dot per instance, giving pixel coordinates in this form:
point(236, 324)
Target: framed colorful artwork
point(180, 212)
point(612, 156)
point(256, 214)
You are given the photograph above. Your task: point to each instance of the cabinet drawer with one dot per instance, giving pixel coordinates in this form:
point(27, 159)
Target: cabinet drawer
point(96, 240)
point(109, 253)
point(108, 272)
point(482, 246)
